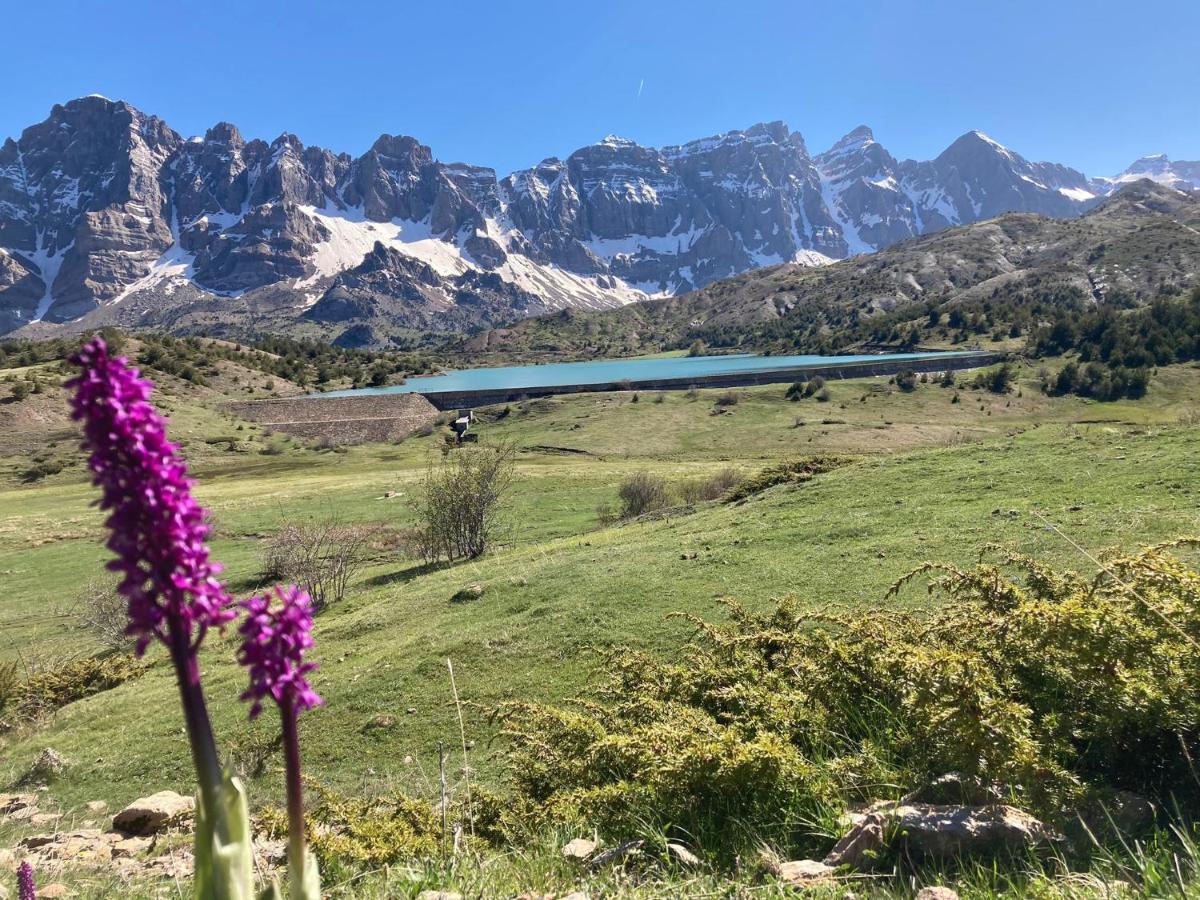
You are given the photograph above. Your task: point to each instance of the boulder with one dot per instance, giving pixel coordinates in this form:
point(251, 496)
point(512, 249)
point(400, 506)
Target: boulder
point(48, 765)
point(439, 895)
point(861, 842)
point(580, 849)
point(937, 893)
point(152, 814)
point(10, 803)
point(805, 872)
point(945, 832)
point(467, 593)
point(97, 806)
point(53, 890)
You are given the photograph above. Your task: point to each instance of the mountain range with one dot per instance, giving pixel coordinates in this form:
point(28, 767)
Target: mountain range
point(109, 215)
point(1136, 246)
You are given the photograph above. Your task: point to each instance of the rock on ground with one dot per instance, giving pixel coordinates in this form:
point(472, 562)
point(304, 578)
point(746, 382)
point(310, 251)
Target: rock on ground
point(580, 849)
point(149, 815)
point(858, 844)
point(937, 893)
point(951, 831)
point(805, 872)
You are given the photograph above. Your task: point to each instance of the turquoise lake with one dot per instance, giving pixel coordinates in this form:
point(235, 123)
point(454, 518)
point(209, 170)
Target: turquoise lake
point(613, 370)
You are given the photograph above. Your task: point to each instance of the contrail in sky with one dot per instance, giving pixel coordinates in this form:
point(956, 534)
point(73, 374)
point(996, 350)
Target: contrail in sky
point(641, 84)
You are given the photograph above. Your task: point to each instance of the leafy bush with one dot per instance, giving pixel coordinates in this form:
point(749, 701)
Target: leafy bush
point(391, 828)
point(460, 507)
point(641, 493)
point(1099, 381)
point(44, 692)
point(1051, 683)
point(43, 469)
point(906, 381)
point(995, 379)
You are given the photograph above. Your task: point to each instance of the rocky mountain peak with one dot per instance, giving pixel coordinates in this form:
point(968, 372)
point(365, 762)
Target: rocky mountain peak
point(854, 140)
point(102, 204)
point(225, 134)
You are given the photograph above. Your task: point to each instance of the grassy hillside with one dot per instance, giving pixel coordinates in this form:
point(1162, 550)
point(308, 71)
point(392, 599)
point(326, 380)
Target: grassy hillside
point(928, 479)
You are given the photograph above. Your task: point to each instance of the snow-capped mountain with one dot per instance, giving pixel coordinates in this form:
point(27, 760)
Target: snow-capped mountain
point(1179, 174)
point(105, 209)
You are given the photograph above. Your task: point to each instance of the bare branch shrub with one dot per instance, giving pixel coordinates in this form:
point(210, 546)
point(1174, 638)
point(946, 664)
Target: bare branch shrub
point(462, 500)
point(712, 487)
point(640, 493)
point(320, 557)
point(100, 610)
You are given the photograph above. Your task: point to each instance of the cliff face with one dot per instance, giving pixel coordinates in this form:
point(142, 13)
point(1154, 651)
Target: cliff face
point(103, 207)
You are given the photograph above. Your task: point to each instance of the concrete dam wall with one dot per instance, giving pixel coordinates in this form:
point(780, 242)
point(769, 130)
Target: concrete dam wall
point(447, 400)
point(393, 416)
point(341, 420)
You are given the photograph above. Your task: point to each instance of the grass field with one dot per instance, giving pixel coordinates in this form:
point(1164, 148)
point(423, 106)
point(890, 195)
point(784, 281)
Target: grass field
point(928, 479)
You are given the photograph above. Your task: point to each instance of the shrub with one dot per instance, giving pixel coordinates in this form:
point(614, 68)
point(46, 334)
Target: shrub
point(641, 493)
point(729, 398)
point(822, 395)
point(1054, 684)
point(996, 379)
point(40, 470)
point(99, 609)
point(462, 500)
point(711, 487)
point(320, 557)
point(43, 693)
point(20, 391)
point(796, 471)
point(795, 391)
point(906, 381)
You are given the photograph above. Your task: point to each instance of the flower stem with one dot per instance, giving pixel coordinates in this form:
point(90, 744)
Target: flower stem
point(199, 727)
point(295, 788)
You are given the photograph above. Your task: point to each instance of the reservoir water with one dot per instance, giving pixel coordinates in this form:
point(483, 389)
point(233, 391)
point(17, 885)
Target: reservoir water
point(610, 371)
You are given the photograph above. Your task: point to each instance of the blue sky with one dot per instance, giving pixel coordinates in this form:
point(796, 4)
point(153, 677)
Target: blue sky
point(1092, 84)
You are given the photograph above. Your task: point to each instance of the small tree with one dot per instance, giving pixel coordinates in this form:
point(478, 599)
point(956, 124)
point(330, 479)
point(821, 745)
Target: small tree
point(462, 501)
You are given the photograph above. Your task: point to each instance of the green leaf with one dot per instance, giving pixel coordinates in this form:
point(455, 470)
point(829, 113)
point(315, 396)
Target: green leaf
point(224, 869)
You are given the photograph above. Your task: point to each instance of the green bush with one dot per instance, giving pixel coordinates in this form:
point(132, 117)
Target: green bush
point(1048, 682)
point(45, 692)
point(795, 471)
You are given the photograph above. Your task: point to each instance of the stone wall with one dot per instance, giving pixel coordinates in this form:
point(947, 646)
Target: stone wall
point(341, 420)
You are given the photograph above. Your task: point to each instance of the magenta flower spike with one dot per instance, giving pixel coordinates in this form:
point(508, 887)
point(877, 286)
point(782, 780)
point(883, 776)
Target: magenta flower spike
point(26, 890)
point(277, 632)
point(158, 532)
point(158, 529)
